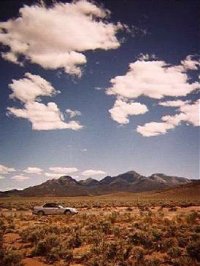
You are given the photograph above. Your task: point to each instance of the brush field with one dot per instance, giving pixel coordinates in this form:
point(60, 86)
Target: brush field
point(113, 230)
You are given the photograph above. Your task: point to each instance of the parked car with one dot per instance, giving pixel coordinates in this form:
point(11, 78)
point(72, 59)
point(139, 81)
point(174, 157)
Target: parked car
point(53, 208)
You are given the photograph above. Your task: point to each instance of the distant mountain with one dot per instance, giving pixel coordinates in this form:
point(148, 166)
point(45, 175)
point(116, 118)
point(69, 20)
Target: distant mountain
point(89, 182)
point(63, 186)
point(127, 182)
point(134, 182)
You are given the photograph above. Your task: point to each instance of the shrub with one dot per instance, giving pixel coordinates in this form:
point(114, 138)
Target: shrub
point(138, 254)
point(2, 225)
point(174, 252)
point(113, 217)
point(193, 250)
point(182, 261)
point(74, 241)
point(141, 238)
point(191, 217)
point(33, 234)
point(11, 258)
point(156, 234)
point(152, 262)
point(43, 247)
point(182, 242)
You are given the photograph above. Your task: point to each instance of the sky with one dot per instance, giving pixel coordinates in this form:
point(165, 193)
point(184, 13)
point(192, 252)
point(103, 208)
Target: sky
point(96, 88)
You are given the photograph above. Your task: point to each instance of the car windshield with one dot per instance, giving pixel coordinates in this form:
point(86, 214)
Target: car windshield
point(60, 206)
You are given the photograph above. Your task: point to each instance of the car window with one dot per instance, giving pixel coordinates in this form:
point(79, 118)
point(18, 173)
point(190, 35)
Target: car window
point(47, 205)
point(50, 205)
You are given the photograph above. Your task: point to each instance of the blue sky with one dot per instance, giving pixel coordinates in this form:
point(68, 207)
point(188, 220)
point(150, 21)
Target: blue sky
point(98, 88)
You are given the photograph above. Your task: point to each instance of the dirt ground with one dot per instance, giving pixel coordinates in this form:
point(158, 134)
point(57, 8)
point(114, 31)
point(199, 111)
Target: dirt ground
point(25, 219)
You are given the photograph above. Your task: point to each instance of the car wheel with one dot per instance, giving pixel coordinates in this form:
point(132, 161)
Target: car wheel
point(40, 213)
point(67, 212)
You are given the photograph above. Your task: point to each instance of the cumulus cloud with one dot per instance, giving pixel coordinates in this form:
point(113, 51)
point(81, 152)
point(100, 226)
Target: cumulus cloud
point(20, 177)
point(91, 172)
point(191, 63)
point(188, 113)
point(122, 109)
point(173, 120)
point(52, 175)
point(44, 117)
point(192, 113)
point(175, 103)
point(6, 170)
point(29, 88)
point(154, 128)
point(73, 113)
point(154, 79)
point(9, 56)
point(33, 170)
point(63, 170)
point(56, 37)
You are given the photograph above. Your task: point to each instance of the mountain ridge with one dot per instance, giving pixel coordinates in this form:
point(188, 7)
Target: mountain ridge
point(130, 181)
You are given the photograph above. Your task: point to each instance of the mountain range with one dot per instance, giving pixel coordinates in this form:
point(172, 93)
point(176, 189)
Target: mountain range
point(128, 182)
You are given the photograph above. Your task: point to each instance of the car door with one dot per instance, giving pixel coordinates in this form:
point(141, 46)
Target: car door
point(47, 208)
point(54, 209)
point(50, 209)
point(60, 210)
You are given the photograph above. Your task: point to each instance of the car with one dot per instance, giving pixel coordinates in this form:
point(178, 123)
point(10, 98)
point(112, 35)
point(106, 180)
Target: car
point(53, 208)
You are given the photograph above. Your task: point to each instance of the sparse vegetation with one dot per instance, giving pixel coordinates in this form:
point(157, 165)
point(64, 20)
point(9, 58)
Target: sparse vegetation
point(126, 231)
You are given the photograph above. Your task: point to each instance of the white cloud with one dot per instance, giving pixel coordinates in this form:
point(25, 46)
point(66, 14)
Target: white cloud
point(154, 79)
point(56, 37)
point(63, 170)
point(122, 109)
point(11, 188)
point(91, 172)
point(188, 113)
point(53, 175)
point(9, 56)
point(2, 177)
point(175, 103)
point(154, 129)
point(6, 170)
point(20, 177)
point(33, 170)
point(44, 117)
point(29, 88)
point(73, 113)
point(190, 63)
point(146, 57)
point(173, 120)
point(192, 113)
